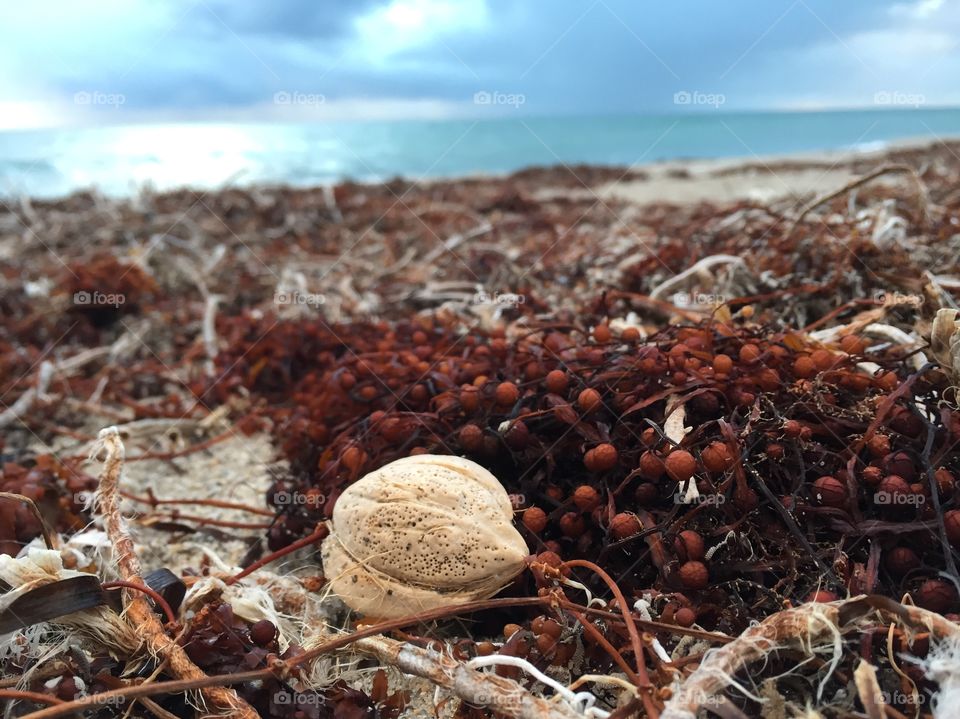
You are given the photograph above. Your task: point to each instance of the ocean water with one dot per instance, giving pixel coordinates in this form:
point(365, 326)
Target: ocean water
point(118, 160)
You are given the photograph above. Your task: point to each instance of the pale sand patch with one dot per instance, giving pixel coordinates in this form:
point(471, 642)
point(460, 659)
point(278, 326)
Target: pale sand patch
point(796, 177)
point(239, 469)
point(749, 184)
point(235, 470)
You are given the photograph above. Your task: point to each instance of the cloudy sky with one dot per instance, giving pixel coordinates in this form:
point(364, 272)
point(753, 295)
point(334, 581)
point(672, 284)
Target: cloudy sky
point(66, 62)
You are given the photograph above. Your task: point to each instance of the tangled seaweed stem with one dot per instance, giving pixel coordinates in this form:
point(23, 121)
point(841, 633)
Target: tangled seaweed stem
point(149, 689)
point(207, 502)
point(644, 684)
point(607, 647)
point(318, 534)
point(36, 697)
point(280, 668)
point(154, 595)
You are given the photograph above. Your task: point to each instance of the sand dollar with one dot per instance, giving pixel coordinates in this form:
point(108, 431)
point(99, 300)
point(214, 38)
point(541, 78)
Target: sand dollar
point(422, 532)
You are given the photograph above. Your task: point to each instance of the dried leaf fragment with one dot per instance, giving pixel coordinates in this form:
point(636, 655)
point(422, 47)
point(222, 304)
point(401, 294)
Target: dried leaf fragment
point(945, 341)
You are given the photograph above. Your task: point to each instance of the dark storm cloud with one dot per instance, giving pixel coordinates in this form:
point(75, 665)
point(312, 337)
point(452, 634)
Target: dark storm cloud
point(582, 56)
point(298, 19)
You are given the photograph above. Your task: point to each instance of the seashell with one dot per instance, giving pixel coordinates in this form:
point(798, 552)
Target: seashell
point(945, 342)
point(422, 532)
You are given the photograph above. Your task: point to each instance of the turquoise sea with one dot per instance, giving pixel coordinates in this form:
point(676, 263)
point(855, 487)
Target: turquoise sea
point(119, 160)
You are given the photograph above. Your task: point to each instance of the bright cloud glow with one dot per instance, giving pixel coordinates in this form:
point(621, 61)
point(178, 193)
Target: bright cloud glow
point(404, 24)
point(216, 60)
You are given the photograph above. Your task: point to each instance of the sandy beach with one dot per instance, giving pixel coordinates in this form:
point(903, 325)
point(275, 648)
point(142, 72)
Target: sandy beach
point(230, 335)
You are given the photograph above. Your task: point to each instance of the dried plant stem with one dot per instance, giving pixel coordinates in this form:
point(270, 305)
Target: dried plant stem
point(210, 331)
point(885, 170)
point(35, 511)
point(696, 269)
point(505, 696)
point(22, 406)
point(803, 626)
point(800, 628)
point(281, 668)
point(137, 611)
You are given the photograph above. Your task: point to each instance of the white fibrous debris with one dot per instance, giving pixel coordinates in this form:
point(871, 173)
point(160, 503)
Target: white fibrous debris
point(34, 569)
point(942, 665)
point(945, 341)
point(422, 532)
point(100, 625)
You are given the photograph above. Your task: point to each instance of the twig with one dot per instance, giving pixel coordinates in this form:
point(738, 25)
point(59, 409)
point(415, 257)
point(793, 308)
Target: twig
point(25, 696)
point(505, 696)
point(695, 269)
point(23, 404)
point(137, 611)
point(801, 627)
point(886, 169)
point(32, 506)
point(455, 241)
point(281, 668)
point(210, 331)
